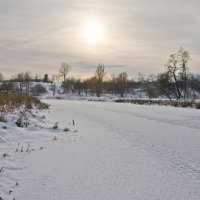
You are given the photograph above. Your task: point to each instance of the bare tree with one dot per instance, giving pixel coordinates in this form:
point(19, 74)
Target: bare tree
point(27, 78)
point(20, 79)
point(37, 78)
point(99, 76)
point(177, 70)
point(183, 59)
point(172, 71)
point(141, 82)
point(64, 70)
point(122, 83)
point(113, 84)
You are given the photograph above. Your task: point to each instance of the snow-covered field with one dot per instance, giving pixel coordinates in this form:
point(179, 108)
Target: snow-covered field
point(112, 152)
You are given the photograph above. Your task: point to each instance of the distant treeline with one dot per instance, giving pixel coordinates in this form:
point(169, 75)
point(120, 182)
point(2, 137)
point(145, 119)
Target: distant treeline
point(174, 83)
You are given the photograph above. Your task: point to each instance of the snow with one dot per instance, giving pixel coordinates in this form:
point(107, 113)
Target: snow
point(114, 151)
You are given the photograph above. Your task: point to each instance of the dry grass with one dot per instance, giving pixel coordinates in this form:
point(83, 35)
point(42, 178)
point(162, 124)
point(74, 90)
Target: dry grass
point(13, 101)
point(184, 104)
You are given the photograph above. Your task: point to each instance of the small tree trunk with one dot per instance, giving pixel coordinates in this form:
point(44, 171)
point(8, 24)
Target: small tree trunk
point(176, 84)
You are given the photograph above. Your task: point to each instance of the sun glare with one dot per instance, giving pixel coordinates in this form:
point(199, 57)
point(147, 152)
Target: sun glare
point(93, 32)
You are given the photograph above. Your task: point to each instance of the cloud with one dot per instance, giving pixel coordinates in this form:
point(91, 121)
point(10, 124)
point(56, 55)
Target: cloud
point(140, 34)
point(25, 41)
point(86, 65)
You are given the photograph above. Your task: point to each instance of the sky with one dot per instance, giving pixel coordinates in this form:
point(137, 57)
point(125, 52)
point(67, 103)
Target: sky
point(137, 35)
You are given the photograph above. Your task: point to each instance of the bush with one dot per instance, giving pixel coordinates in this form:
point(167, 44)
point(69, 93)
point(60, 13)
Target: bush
point(184, 104)
point(7, 87)
point(22, 121)
point(38, 89)
point(197, 105)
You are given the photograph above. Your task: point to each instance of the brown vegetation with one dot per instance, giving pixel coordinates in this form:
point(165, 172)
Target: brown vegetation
point(13, 101)
point(174, 103)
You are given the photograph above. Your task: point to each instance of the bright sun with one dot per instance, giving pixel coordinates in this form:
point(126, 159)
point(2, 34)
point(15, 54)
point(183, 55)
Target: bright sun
point(93, 32)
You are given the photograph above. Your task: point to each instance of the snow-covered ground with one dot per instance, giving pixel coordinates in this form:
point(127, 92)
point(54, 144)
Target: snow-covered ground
point(112, 152)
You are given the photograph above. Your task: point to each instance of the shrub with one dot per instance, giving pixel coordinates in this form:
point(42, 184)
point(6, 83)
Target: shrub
point(38, 89)
point(22, 121)
point(197, 105)
point(55, 125)
point(184, 104)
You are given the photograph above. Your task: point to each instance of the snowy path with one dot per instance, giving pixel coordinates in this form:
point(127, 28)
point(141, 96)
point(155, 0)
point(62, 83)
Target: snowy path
point(119, 152)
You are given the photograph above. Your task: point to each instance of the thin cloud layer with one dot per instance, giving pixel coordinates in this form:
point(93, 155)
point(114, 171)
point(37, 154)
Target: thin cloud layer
point(140, 35)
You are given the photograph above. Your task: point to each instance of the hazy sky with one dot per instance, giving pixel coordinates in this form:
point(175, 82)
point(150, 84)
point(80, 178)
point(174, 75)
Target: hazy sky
point(139, 35)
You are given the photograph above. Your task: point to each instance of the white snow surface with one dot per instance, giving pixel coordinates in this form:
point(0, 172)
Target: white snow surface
point(113, 152)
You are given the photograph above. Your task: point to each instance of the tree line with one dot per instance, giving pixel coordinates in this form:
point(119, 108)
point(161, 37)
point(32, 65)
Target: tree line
point(176, 82)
